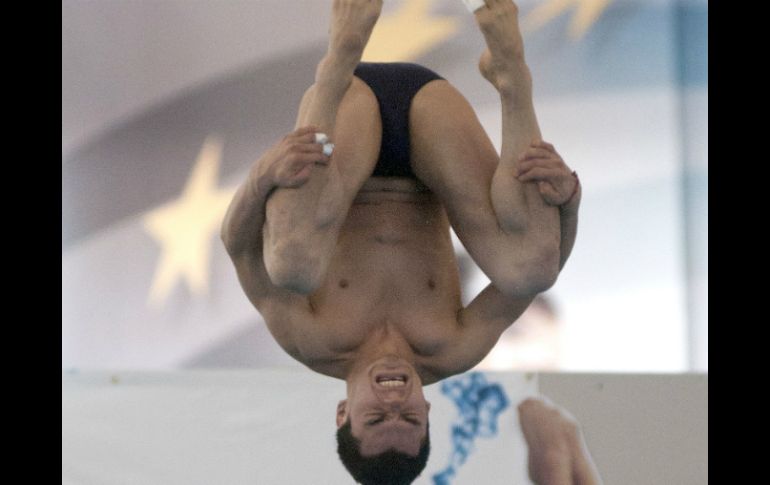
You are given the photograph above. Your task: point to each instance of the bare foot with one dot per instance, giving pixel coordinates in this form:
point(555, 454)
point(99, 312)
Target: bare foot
point(489, 71)
point(351, 26)
point(502, 64)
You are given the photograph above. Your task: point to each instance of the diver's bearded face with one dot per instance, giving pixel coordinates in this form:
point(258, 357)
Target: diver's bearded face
point(386, 408)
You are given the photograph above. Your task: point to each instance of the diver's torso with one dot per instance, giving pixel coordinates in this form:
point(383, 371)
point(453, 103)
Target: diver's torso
point(394, 271)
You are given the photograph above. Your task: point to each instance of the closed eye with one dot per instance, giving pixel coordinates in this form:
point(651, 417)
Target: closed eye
point(409, 419)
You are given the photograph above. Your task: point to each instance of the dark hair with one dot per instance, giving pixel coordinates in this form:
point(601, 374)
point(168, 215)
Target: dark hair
point(388, 468)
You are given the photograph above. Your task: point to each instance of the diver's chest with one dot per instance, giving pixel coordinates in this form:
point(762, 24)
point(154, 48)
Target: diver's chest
point(423, 324)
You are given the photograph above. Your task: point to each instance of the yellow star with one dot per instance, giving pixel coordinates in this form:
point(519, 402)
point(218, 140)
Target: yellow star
point(408, 33)
point(588, 11)
point(185, 227)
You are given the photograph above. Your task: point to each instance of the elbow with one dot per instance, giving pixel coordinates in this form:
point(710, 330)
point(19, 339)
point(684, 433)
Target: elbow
point(543, 272)
point(225, 236)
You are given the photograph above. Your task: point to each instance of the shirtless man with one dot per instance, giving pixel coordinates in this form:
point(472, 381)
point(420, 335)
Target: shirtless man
point(349, 257)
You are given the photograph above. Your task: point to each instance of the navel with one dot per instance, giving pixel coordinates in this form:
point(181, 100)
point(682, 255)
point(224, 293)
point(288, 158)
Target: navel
point(343, 283)
point(431, 284)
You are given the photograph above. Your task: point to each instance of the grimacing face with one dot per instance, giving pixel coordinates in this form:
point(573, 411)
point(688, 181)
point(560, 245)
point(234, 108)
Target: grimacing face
point(386, 408)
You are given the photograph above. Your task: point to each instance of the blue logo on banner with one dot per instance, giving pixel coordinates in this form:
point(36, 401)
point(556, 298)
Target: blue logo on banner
point(479, 404)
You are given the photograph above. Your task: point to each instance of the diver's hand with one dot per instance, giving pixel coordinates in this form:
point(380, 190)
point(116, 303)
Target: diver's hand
point(541, 163)
point(289, 162)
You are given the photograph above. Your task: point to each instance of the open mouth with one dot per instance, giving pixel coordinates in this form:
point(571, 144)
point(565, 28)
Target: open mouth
point(392, 380)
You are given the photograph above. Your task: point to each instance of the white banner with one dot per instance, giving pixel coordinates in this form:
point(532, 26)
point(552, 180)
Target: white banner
point(270, 427)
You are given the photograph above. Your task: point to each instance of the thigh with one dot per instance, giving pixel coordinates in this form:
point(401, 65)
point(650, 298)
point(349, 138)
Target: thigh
point(357, 134)
point(302, 224)
point(453, 156)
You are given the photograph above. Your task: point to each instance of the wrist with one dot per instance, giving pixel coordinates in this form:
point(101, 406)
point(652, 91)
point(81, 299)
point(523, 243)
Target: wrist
point(571, 205)
point(262, 180)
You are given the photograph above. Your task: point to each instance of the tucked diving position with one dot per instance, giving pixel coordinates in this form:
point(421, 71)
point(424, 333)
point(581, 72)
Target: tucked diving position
point(340, 234)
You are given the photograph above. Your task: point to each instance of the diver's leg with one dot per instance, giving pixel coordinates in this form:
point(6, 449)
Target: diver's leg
point(505, 225)
point(302, 224)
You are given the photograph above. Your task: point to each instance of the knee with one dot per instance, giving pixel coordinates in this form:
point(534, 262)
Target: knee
point(294, 266)
point(543, 274)
point(536, 275)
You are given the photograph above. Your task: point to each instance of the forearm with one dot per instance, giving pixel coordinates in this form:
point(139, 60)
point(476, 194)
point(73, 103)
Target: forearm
point(242, 226)
point(568, 214)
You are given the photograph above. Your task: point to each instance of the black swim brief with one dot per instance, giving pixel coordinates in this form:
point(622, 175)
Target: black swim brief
point(395, 85)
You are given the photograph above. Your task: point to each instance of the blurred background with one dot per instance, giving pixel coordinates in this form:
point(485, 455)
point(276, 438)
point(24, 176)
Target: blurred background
point(167, 103)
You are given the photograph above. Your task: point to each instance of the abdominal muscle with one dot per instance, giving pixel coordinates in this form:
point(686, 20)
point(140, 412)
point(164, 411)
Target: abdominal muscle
point(394, 273)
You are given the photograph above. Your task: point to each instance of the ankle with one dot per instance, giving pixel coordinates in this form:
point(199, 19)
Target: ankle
point(335, 70)
point(348, 45)
point(515, 88)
